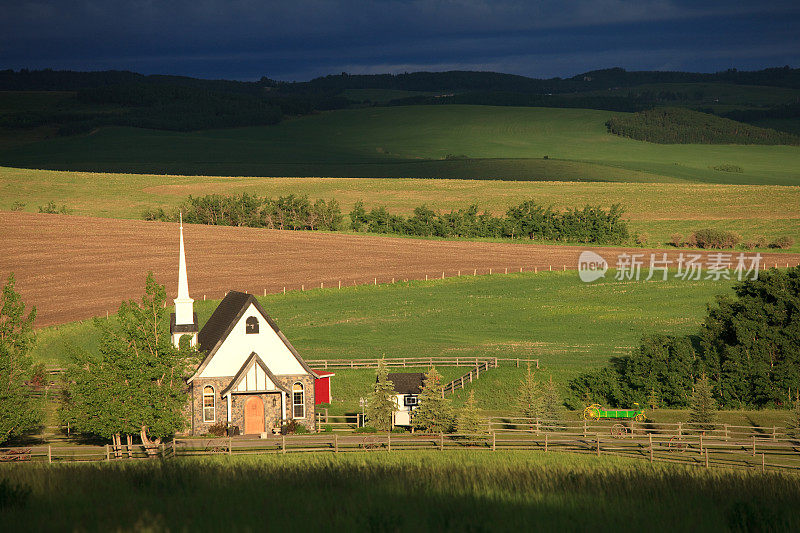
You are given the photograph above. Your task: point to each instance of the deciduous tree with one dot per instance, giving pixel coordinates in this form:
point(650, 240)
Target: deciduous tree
point(19, 410)
point(136, 383)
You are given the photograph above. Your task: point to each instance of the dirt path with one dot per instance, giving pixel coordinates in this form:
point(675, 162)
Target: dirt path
point(73, 267)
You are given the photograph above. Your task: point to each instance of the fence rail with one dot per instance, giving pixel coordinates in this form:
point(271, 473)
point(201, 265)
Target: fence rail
point(417, 362)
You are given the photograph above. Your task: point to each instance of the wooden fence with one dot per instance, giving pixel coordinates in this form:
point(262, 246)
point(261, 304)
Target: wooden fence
point(757, 452)
point(630, 427)
point(458, 383)
point(412, 362)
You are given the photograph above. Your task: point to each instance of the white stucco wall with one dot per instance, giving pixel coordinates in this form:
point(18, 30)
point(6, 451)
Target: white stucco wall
point(239, 345)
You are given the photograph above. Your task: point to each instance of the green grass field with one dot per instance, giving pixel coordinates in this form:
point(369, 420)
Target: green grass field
point(657, 209)
point(401, 491)
point(498, 142)
point(569, 326)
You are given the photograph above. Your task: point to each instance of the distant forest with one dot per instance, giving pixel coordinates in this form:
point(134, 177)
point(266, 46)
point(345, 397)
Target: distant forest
point(94, 99)
point(675, 125)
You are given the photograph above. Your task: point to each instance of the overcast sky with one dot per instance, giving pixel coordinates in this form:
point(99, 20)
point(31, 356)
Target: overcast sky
point(298, 40)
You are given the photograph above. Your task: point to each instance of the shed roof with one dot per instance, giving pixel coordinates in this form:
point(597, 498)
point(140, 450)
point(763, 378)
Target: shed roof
point(407, 382)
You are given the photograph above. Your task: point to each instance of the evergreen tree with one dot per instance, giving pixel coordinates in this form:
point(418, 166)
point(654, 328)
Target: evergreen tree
point(136, 384)
point(551, 401)
point(381, 401)
point(19, 410)
point(652, 400)
point(434, 414)
point(469, 416)
point(703, 406)
point(529, 397)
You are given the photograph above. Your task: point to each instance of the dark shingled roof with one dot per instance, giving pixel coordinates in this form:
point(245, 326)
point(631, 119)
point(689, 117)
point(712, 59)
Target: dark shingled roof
point(223, 318)
point(407, 382)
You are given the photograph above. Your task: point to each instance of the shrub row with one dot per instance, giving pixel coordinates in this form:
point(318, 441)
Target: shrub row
point(719, 239)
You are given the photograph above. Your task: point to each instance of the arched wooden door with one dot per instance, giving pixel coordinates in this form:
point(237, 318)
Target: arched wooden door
point(253, 416)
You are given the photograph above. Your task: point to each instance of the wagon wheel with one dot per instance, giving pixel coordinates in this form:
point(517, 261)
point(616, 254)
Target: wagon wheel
point(369, 443)
point(640, 417)
point(677, 444)
point(618, 431)
point(592, 412)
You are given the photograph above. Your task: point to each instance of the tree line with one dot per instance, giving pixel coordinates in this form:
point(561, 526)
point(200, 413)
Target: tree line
point(528, 220)
point(675, 125)
point(748, 347)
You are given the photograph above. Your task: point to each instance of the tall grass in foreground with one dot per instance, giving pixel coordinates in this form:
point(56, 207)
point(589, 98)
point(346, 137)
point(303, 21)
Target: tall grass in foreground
point(425, 491)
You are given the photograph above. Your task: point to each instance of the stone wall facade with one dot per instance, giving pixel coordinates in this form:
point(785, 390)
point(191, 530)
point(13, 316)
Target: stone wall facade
point(271, 401)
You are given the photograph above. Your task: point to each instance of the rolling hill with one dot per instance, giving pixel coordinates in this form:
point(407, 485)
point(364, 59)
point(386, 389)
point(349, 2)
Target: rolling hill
point(414, 141)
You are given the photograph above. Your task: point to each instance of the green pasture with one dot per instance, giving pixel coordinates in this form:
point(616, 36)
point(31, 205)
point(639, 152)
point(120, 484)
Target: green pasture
point(450, 141)
point(401, 491)
point(656, 209)
point(571, 327)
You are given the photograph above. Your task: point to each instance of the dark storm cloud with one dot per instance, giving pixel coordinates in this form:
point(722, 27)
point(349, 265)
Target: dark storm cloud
point(297, 40)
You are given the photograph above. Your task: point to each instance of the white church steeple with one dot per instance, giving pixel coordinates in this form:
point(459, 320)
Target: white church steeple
point(183, 321)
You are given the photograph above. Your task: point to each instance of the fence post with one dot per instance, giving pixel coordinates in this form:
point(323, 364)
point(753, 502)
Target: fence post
point(283, 443)
point(335, 443)
point(650, 437)
point(763, 463)
point(701, 444)
point(108, 453)
point(230, 445)
point(680, 429)
point(389, 441)
point(49, 453)
point(441, 442)
point(774, 432)
point(726, 431)
point(598, 445)
point(174, 449)
point(706, 457)
point(494, 441)
point(545, 442)
point(754, 445)
point(584, 429)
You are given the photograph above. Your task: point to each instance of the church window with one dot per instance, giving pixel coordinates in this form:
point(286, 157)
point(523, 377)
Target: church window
point(298, 401)
point(209, 404)
point(251, 325)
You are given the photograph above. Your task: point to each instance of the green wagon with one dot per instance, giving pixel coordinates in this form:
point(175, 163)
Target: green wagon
point(596, 412)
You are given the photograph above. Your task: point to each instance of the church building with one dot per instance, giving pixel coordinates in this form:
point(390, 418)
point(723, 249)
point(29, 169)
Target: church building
point(250, 377)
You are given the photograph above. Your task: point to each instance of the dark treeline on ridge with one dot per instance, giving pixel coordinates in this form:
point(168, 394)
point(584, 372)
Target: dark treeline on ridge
point(52, 80)
point(675, 125)
point(182, 103)
point(529, 220)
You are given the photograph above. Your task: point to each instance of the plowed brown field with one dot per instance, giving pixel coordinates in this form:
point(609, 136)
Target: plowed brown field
point(73, 267)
